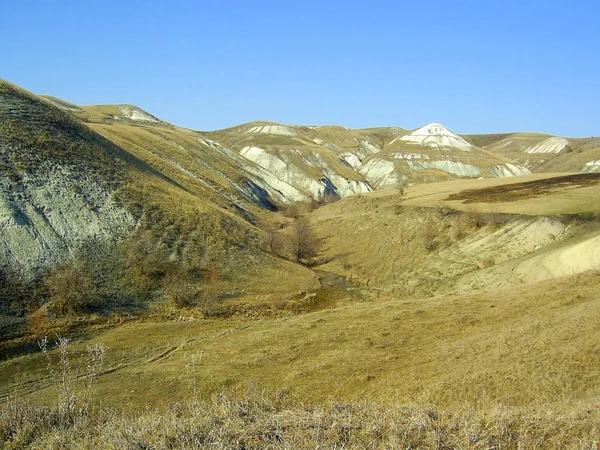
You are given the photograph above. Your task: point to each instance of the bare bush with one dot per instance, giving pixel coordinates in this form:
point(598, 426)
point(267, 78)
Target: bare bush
point(72, 290)
point(191, 363)
point(181, 294)
point(304, 243)
point(274, 241)
point(429, 238)
point(475, 219)
point(291, 211)
point(457, 232)
point(444, 211)
point(496, 219)
point(401, 186)
point(16, 292)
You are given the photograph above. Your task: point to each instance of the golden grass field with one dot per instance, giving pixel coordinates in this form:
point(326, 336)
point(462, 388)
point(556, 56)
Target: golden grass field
point(527, 345)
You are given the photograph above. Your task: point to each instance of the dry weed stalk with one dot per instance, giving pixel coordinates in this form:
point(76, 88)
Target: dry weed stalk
point(66, 382)
point(192, 362)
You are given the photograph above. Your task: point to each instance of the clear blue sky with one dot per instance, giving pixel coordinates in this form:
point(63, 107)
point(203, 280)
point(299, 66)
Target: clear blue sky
point(475, 66)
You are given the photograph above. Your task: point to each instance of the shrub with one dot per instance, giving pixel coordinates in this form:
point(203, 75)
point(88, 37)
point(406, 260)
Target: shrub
point(16, 292)
point(429, 237)
point(274, 241)
point(496, 219)
point(180, 293)
point(72, 290)
point(304, 243)
point(65, 377)
point(475, 219)
point(292, 211)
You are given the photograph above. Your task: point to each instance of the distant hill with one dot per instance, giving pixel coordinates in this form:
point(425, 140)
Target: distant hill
point(270, 164)
point(63, 163)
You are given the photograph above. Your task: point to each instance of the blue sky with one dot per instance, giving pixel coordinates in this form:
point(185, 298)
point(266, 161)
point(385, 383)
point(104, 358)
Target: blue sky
point(475, 66)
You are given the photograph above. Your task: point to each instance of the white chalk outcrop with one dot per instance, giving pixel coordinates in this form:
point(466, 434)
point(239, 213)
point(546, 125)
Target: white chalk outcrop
point(136, 114)
point(456, 168)
point(591, 166)
point(294, 184)
point(436, 136)
point(352, 160)
point(51, 215)
point(551, 145)
point(508, 170)
point(380, 173)
point(278, 130)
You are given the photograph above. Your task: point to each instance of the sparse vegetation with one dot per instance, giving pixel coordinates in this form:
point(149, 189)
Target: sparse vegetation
point(303, 242)
point(259, 421)
point(72, 290)
point(429, 236)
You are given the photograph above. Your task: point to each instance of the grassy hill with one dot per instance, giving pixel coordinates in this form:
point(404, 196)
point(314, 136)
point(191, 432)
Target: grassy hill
point(456, 314)
point(100, 224)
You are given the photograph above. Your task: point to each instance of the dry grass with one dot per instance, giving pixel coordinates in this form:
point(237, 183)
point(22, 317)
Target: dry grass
point(258, 421)
point(255, 419)
point(568, 199)
point(515, 347)
point(380, 240)
point(527, 190)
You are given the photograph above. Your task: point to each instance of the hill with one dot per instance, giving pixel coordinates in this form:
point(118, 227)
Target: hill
point(90, 224)
point(57, 185)
point(543, 153)
point(285, 267)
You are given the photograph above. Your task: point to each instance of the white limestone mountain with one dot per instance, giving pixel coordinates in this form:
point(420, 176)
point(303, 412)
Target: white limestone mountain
point(267, 163)
point(433, 153)
point(437, 136)
point(288, 163)
point(542, 152)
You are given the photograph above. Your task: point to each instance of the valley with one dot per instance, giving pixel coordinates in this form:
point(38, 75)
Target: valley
point(288, 267)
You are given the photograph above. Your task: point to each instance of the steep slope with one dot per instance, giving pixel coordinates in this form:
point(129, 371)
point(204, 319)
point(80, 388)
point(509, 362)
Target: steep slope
point(433, 153)
point(69, 194)
point(301, 162)
point(57, 184)
point(269, 164)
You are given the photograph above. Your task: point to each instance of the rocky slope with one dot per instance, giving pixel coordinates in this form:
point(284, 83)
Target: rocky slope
point(433, 153)
point(57, 183)
point(270, 163)
point(172, 200)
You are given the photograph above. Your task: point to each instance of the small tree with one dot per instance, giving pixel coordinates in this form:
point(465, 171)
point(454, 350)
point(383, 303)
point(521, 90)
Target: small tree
point(303, 241)
point(273, 241)
point(71, 289)
point(401, 185)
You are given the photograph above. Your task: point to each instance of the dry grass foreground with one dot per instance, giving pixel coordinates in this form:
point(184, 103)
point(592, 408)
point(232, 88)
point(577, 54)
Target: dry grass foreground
point(523, 349)
point(516, 368)
point(257, 421)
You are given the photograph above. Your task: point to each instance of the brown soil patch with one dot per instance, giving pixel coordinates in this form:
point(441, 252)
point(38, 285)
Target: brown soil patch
point(529, 189)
